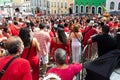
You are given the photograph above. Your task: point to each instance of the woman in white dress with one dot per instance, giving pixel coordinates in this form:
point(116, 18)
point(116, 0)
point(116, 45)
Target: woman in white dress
point(76, 38)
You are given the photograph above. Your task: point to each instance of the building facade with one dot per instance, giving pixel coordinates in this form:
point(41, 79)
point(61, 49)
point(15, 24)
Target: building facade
point(60, 6)
point(41, 5)
point(113, 5)
point(89, 6)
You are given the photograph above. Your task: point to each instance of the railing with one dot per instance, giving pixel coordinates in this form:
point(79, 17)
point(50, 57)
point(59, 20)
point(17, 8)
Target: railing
point(89, 53)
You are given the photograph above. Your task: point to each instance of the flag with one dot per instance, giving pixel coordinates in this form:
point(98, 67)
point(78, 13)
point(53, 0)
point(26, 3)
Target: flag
point(104, 8)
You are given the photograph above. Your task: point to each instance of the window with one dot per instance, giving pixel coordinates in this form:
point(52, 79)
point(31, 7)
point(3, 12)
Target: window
point(61, 5)
point(119, 6)
point(93, 10)
point(55, 11)
point(87, 9)
point(58, 5)
point(100, 10)
point(76, 9)
point(81, 9)
point(65, 4)
point(48, 4)
point(61, 12)
point(112, 4)
point(54, 4)
point(51, 4)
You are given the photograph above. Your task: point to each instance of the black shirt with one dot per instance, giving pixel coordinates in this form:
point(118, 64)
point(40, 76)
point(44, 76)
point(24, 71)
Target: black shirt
point(105, 43)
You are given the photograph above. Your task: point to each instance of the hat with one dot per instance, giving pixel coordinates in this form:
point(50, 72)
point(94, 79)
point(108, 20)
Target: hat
point(91, 23)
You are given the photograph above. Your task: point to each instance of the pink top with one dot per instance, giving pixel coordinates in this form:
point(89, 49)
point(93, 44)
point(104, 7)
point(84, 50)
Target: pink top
point(19, 69)
point(68, 73)
point(43, 38)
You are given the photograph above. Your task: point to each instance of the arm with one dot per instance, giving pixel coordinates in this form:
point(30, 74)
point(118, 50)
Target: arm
point(77, 68)
point(51, 46)
point(37, 45)
point(89, 41)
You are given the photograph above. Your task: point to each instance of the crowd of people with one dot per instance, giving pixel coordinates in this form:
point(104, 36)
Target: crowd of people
point(36, 40)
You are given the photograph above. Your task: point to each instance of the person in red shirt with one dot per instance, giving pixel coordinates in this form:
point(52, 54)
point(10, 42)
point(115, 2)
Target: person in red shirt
point(19, 69)
point(30, 51)
point(64, 71)
point(14, 29)
point(60, 42)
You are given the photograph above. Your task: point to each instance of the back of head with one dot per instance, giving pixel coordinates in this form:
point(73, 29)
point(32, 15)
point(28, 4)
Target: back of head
point(61, 35)
point(42, 26)
point(76, 28)
point(60, 26)
point(60, 56)
point(13, 44)
point(105, 29)
point(25, 35)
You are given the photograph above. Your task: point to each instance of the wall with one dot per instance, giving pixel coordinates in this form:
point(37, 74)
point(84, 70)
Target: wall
point(91, 3)
point(108, 5)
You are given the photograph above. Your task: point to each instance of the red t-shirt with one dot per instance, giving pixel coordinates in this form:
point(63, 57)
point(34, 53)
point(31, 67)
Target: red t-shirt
point(19, 69)
point(14, 31)
point(68, 73)
point(89, 32)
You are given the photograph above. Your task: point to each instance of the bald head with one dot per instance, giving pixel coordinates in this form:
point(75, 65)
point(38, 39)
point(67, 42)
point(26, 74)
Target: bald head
point(12, 44)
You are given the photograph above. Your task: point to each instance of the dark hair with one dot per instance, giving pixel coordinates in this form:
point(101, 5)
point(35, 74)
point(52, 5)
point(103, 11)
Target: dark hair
point(17, 10)
point(61, 35)
point(15, 23)
point(66, 25)
point(42, 26)
point(13, 45)
point(60, 56)
point(25, 36)
point(105, 29)
point(88, 20)
point(60, 26)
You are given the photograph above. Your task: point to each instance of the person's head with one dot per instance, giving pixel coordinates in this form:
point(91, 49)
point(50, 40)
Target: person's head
point(60, 26)
point(60, 56)
point(88, 21)
point(42, 26)
point(76, 28)
point(14, 45)
point(15, 23)
point(66, 25)
point(25, 36)
point(105, 29)
point(61, 35)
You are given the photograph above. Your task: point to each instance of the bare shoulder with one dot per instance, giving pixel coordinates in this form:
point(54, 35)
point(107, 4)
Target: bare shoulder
point(34, 41)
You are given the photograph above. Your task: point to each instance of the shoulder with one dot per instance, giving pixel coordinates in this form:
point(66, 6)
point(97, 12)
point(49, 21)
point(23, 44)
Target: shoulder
point(75, 65)
point(22, 60)
point(51, 70)
point(34, 41)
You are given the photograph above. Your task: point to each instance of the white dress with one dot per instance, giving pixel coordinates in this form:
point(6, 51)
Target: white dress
point(76, 50)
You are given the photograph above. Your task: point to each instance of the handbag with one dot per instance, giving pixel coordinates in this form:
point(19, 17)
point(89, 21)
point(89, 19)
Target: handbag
point(7, 65)
point(77, 38)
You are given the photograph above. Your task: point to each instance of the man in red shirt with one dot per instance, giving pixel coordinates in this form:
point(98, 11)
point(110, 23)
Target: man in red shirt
point(19, 68)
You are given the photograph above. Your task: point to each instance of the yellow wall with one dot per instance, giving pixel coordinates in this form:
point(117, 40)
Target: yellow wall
point(18, 1)
point(60, 10)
